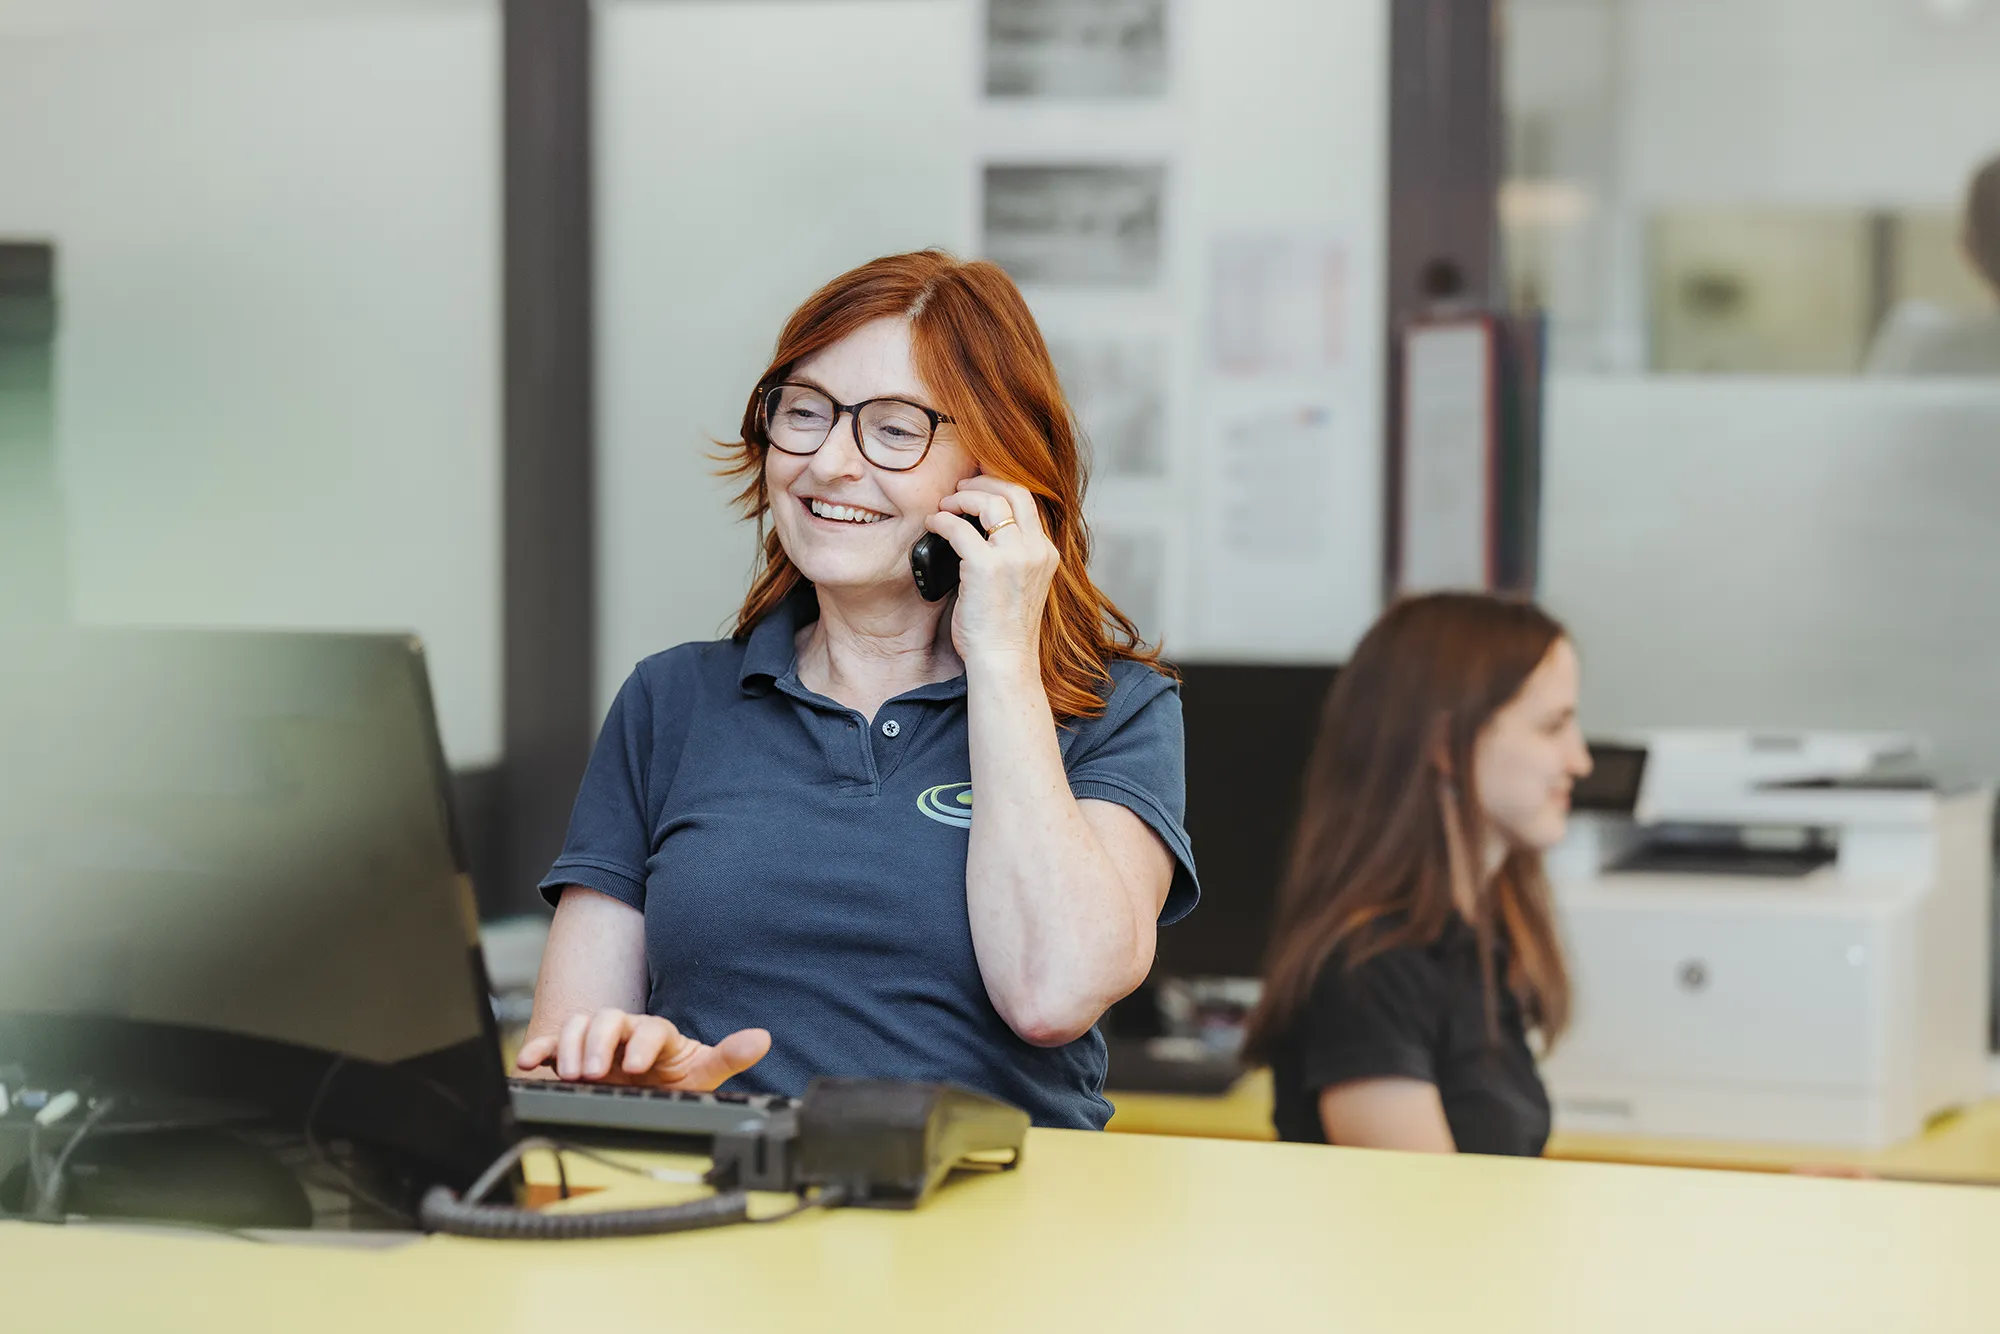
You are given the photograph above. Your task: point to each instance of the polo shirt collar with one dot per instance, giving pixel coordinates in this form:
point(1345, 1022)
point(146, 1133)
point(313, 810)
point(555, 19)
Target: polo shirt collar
point(770, 651)
point(952, 689)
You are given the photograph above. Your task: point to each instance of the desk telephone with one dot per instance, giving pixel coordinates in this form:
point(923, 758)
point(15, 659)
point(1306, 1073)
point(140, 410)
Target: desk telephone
point(871, 1143)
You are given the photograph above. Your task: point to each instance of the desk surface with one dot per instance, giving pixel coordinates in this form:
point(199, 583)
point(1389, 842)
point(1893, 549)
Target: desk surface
point(1962, 1146)
point(1125, 1232)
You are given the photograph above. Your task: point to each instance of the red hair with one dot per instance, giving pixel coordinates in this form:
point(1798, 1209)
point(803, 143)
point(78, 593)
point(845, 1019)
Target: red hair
point(983, 360)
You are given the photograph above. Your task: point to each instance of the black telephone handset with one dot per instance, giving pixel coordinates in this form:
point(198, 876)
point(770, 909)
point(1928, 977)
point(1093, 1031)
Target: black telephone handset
point(935, 564)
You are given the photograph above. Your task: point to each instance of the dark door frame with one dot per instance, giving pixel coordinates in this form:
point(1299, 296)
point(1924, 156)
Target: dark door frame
point(548, 578)
point(1446, 137)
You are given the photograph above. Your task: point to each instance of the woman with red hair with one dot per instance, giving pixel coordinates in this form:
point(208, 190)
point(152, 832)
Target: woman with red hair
point(775, 868)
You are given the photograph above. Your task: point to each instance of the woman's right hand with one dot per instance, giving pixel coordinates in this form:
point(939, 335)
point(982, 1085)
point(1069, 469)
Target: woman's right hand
point(614, 1047)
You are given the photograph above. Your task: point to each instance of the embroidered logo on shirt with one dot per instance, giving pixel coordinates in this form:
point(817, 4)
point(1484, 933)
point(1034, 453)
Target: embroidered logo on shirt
point(948, 803)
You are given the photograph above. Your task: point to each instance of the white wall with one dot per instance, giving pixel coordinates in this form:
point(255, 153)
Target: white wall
point(745, 154)
point(1289, 135)
point(277, 375)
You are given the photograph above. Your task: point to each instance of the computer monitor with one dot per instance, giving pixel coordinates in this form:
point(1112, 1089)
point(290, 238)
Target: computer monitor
point(230, 890)
point(1250, 730)
point(1612, 786)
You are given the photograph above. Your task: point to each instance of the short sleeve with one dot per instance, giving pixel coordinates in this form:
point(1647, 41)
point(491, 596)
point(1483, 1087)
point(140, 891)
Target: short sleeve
point(1381, 1020)
point(610, 828)
point(1134, 755)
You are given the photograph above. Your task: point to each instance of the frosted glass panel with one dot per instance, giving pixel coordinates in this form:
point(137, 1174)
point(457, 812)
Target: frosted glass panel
point(275, 379)
point(1752, 186)
point(1781, 552)
point(744, 159)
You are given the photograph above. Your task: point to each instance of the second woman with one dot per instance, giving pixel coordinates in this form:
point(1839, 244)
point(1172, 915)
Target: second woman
point(1415, 952)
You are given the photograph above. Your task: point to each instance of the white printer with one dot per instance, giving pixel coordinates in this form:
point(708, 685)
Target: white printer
point(1779, 938)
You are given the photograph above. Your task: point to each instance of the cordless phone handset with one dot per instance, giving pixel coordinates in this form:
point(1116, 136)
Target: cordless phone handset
point(935, 564)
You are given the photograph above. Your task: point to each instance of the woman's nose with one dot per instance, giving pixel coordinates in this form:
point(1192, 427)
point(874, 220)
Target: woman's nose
point(839, 456)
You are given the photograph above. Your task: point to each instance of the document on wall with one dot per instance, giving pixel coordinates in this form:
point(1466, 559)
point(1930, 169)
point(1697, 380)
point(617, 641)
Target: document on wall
point(1448, 457)
point(1273, 472)
point(1075, 224)
point(1076, 48)
point(1275, 574)
point(1279, 305)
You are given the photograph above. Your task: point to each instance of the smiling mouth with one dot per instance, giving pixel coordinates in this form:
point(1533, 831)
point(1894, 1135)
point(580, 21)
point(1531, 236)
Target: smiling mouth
point(853, 514)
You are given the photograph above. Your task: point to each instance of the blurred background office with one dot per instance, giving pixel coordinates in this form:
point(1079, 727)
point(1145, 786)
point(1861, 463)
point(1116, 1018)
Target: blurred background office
point(1721, 206)
point(421, 314)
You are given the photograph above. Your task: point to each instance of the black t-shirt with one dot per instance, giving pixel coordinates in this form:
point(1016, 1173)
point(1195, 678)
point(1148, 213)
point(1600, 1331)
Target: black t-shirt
point(1417, 1012)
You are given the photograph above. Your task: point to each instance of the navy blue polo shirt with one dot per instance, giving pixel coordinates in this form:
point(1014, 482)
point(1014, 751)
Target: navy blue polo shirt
point(803, 871)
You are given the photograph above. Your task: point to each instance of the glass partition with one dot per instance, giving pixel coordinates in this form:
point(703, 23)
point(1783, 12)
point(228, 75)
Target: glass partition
point(1766, 236)
point(1756, 186)
point(249, 340)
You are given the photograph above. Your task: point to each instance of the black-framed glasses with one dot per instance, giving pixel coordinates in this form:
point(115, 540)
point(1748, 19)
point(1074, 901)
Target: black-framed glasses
point(892, 433)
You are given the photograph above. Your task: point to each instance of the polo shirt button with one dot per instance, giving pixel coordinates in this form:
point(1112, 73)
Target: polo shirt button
point(892, 728)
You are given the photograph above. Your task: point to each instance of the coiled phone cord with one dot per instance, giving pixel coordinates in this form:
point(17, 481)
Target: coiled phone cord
point(443, 1210)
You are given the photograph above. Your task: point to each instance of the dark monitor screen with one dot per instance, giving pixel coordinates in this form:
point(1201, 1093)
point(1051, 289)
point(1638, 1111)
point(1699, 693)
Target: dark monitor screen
point(1250, 730)
point(228, 871)
point(1613, 783)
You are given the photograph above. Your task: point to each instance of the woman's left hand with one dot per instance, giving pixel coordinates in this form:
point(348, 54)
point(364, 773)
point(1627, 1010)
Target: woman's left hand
point(1004, 577)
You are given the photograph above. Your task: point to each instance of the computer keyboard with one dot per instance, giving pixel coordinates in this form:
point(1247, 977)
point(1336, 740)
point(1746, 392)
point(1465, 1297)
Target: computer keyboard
point(547, 1102)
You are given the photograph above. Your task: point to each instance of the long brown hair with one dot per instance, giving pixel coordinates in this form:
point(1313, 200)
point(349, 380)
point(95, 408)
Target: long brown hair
point(981, 355)
point(1385, 833)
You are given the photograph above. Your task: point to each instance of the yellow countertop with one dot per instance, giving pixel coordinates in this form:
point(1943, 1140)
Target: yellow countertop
point(1122, 1232)
point(1242, 1113)
point(1960, 1146)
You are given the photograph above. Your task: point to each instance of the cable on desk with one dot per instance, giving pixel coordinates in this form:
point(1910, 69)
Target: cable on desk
point(558, 1148)
point(830, 1197)
point(343, 1179)
point(48, 1180)
point(444, 1211)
